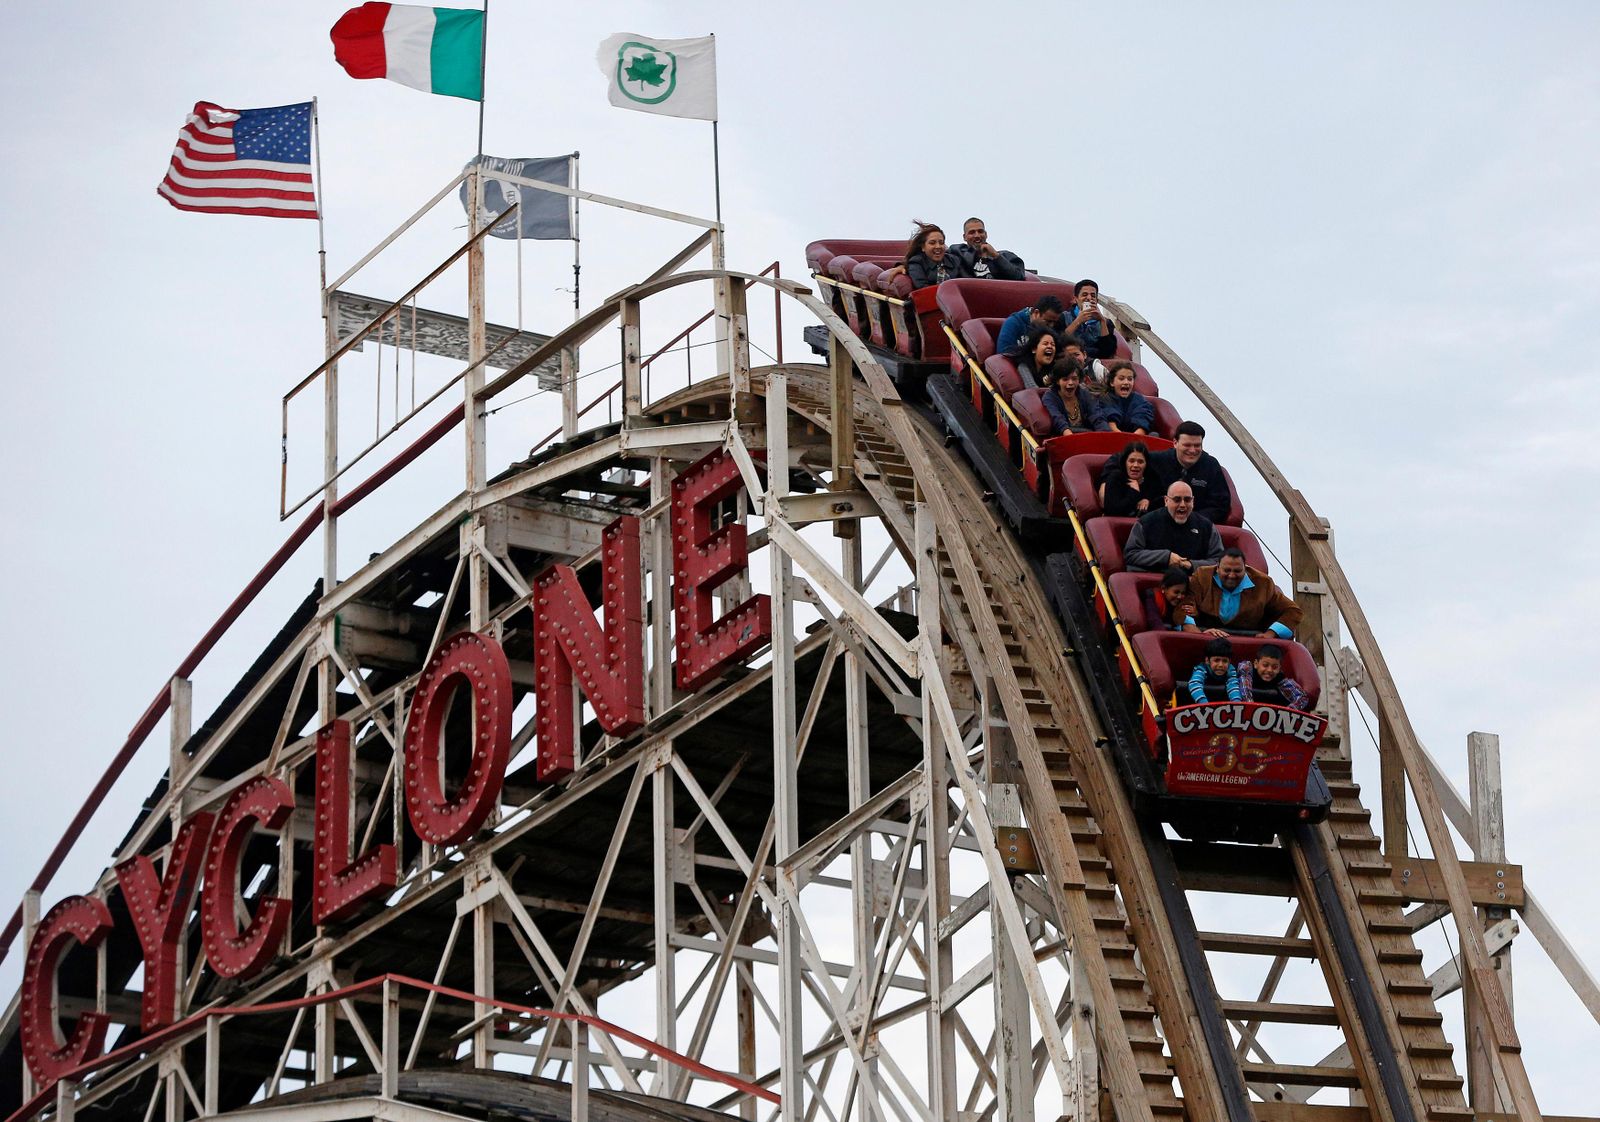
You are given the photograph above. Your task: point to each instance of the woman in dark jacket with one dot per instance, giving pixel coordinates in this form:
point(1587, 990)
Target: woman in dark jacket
point(1126, 487)
point(1070, 405)
point(1035, 357)
point(1123, 408)
point(927, 260)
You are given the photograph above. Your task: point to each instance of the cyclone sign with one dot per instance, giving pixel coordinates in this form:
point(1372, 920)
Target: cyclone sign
point(1247, 750)
point(243, 935)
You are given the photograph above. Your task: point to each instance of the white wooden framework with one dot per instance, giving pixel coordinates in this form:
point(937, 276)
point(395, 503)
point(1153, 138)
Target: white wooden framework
point(882, 874)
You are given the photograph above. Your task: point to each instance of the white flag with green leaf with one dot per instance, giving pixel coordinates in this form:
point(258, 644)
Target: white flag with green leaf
point(675, 77)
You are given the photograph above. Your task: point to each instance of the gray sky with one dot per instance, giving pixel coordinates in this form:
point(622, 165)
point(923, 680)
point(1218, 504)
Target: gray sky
point(1371, 227)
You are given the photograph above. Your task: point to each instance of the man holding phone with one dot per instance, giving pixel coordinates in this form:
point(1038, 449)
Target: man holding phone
point(1086, 323)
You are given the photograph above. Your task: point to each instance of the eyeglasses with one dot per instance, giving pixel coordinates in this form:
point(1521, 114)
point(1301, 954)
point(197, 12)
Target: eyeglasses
point(1177, 499)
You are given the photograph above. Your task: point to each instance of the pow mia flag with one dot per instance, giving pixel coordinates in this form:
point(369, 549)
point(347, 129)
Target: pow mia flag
point(542, 215)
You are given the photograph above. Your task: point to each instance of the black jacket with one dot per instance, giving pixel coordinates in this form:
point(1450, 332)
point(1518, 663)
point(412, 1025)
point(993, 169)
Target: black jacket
point(1005, 265)
point(1122, 500)
point(1156, 536)
point(923, 272)
point(1212, 497)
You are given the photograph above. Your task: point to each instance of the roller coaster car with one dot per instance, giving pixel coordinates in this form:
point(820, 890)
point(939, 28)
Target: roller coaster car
point(899, 324)
point(1236, 772)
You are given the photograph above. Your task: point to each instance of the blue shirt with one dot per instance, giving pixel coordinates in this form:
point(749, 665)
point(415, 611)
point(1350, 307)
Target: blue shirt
point(1229, 607)
point(1017, 325)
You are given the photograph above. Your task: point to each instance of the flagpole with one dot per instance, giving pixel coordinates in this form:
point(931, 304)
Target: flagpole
point(483, 75)
point(322, 250)
point(718, 253)
point(716, 179)
point(577, 265)
point(569, 355)
point(330, 389)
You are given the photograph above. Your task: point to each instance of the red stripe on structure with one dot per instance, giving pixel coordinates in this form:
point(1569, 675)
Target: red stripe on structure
point(358, 41)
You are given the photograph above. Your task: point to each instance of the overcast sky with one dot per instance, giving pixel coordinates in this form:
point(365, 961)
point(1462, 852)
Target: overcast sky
point(1372, 227)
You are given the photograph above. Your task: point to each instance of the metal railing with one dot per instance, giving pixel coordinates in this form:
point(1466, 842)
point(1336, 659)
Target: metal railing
point(384, 1052)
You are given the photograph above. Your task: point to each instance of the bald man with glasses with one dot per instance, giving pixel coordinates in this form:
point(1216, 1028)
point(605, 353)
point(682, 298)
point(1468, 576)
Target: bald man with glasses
point(1175, 535)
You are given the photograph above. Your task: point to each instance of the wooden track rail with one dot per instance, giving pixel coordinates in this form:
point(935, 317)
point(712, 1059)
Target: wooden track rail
point(1402, 749)
point(1153, 1037)
point(1054, 723)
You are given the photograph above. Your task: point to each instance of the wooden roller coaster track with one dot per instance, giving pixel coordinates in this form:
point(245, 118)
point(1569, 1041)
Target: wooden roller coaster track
point(950, 760)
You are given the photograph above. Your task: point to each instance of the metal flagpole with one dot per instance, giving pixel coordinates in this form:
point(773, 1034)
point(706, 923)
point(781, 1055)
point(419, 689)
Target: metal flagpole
point(577, 267)
point(330, 406)
point(322, 249)
point(718, 254)
point(483, 76)
point(569, 355)
point(716, 178)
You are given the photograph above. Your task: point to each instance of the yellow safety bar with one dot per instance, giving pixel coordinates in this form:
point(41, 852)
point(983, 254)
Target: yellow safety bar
point(836, 283)
point(1029, 441)
point(1032, 444)
point(1116, 617)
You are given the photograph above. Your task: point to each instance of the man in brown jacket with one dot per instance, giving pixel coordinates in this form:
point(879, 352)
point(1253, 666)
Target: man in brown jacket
point(1230, 598)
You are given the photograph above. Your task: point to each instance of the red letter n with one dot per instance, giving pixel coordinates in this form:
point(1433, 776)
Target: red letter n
point(702, 559)
point(567, 642)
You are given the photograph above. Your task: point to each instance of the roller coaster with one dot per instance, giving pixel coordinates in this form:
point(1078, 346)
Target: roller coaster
point(566, 806)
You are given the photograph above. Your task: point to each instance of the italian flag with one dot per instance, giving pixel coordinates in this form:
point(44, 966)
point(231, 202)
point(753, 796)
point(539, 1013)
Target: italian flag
point(436, 50)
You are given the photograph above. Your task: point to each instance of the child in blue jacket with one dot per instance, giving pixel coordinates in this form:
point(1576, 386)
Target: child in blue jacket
point(1215, 678)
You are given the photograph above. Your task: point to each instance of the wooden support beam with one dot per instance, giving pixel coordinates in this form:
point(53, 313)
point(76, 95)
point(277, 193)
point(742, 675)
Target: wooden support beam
point(1399, 731)
point(842, 430)
point(1485, 1090)
point(1490, 884)
point(632, 376)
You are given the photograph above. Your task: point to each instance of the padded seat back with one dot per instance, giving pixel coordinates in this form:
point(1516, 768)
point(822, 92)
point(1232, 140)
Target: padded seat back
point(1167, 418)
point(865, 274)
point(842, 267)
point(1169, 657)
point(1005, 376)
point(961, 300)
point(1109, 536)
point(819, 253)
point(899, 285)
point(1127, 589)
point(1029, 405)
point(979, 336)
point(1080, 483)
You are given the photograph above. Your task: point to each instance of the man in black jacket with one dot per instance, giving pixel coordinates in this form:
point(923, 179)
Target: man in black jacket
point(1174, 535)
point(1187, 461)
point(983, 260)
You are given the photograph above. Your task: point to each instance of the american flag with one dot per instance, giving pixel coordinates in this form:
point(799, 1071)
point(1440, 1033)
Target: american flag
point(243, 161)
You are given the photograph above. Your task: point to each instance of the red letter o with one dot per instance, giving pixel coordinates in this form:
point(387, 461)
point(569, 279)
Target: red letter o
point(478, 663)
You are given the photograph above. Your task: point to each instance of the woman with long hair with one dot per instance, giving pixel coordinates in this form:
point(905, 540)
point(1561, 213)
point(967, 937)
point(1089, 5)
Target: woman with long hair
point(927, 259)
point(1035, 357)
point(1127, 489)
point(1123, 408)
